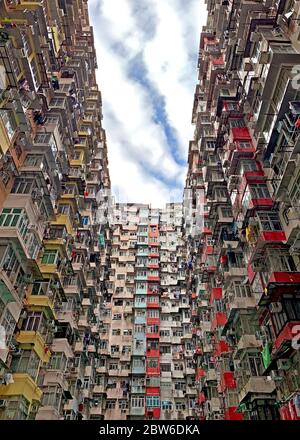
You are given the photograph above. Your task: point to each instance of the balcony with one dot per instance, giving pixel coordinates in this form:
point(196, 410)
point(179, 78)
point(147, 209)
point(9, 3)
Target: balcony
point(257, 385)
point(22, 385)
point(137, 411)
point(284, 339)
point(278, 270)
point(36, 341)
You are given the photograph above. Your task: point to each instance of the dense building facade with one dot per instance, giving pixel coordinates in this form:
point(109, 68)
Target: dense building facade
point(123, 311)
point(244, 175)
point(146, 366)
point(53, 176)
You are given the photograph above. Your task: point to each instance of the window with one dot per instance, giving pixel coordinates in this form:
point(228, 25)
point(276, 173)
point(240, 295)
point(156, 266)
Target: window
point(180, 406)
point(242, 290)
point(58, 361)
point(8, 122)
point(236, 123)
point(117, 316)
point(9, 325)
point(269, 221)
point(152, 329)
point(138, 363)
point(295, 191)
point(110, 404)
point(153, 313)
point(164, 349)
point(123, 404)
point(137, 402)
point(152, 401)
point(244, 144)
point(116, 332)
point(34, 322)
point(42, 138)
point(259, 191)
point(17, 408)
point(57, 102)
point(33, 160)
point(153, 299)
point(247, 165)
point(152, 363)
point(226, 212)
point(165, 367)
point(113, 366)
point(14, 218)
point(28, 362)
point(210, 145)
point(50, 256)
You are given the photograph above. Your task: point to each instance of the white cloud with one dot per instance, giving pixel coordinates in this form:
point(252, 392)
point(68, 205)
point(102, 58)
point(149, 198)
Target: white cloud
point(163, 33)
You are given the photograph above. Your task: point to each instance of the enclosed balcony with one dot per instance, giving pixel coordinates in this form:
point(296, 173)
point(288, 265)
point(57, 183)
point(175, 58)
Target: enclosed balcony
point(285, 321)
point(278, 270)
point(256, 195)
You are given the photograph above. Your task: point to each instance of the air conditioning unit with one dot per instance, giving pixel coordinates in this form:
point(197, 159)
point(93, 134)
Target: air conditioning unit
point(3, 404)
point(284, 364)
point(276, 307)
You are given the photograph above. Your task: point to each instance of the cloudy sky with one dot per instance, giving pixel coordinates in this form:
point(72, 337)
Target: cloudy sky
point(147, 70)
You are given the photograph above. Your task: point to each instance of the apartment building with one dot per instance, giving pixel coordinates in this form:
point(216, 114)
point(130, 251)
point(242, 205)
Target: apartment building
point(54, 179)
point(243, 179)
point(146, 368)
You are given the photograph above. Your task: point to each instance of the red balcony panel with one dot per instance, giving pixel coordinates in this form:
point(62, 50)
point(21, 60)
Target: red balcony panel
point(152, 335)
point(240, 134)
point(199, 373)
point(290, 411)
point(153, 243)
point(221, 347)
point(152, 391)
point(231, 414)
point(227, 381)
point(153, 353)
point(153, 278)
point(216, 293)
point(201, 398)
point(272, 236)
point(284, 278)
point(209, 250)
point(219, 320)
point(151, 321)
point(153, 305)
point(251, 274)
point(288, 332)
point(194, 295)
point(252, 174)
point(153, 266)
point(211, 268)
point(153, 413)
point(153, 254)
point(258, 203)
point(206, 230)
point(153, 371)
